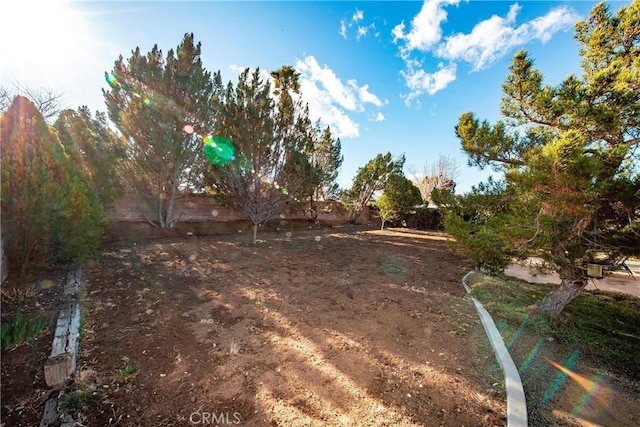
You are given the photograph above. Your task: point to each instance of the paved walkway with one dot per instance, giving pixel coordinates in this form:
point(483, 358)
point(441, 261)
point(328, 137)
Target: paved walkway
point(619, 281)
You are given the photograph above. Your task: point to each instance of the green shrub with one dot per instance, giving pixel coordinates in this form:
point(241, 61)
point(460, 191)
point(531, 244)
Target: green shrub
point(20, 329)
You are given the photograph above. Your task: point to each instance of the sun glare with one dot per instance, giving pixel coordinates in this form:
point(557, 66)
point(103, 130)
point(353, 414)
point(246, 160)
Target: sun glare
point(39, 39)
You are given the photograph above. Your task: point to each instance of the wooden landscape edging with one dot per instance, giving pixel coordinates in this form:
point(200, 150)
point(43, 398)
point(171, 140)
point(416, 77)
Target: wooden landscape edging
point(61, 364)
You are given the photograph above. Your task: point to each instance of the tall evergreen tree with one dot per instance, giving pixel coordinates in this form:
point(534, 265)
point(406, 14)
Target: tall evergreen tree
point(325, 158)
point(269, 169)
point(95, 148)
point(162, 106)
point(572, 179)
point(48, 208)
point(370, 178)
point(28, 187)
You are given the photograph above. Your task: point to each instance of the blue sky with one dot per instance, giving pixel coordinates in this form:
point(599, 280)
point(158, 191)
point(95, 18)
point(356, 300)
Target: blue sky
point(386, 76)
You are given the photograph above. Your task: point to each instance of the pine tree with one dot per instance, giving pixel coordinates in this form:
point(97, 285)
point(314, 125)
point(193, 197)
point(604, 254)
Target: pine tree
point(399, 197)
point(268, 170)
point(325, 159)
point(28, 186)
point(370, 178)
point(569, 155)
point(95, 148)
point(162, 107)
point(49, 211)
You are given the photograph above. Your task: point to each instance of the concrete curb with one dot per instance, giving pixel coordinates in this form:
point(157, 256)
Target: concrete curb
point(516, 402)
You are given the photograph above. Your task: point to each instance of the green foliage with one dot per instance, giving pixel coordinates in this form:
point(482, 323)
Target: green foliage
point(569, 157)
point(286, 80)
point(270, 170)
point(370, 178)
point(480, 222)
point(128, 371)
point(80, 399)
point(325, 158)
point(478, 242)
point(95, 148)
point(49, 210)
point(162, 107)
point(400, 196)
point(19, 329)
point(80, 221)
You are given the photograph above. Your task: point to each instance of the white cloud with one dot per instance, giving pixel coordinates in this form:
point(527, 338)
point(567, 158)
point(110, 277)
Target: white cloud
point(356, 21)
point(420, 82)
point(343, 95)
point(369, 97)
point(378, 117)
point(237, 69)
point(397, 32)
point(425, 26)
point(331, 100)
point(343, 29)
point(559, 19)
point(489, 40)
point(494, 37)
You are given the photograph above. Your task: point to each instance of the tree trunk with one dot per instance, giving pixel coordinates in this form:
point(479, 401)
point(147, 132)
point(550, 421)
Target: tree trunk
point(382, 224)
point(555, 301)
point(355, 216)
point(255, 233)
point(171, 207)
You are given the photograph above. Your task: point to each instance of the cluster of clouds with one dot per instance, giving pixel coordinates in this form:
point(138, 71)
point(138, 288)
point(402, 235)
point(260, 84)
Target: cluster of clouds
point(331, 99)
point(357, 23)
point(431, 59)
point(488, 41)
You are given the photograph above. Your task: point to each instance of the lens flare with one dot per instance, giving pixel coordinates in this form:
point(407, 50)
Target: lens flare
point(111, 79)
point(596, 398)
point(188, 129)
point(395, 266)
point(532, 356)
point(218, 150)
point(562, 376)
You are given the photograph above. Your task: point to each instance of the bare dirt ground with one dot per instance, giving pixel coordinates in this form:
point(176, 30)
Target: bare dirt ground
point(342, 326)
point(312, 328)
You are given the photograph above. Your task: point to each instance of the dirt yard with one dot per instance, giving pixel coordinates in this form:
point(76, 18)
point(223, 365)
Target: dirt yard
point(341, 326)
point(309, 328)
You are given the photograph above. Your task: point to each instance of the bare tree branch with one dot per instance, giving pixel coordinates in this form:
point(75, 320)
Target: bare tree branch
point(440, 173)
point(48, 102)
